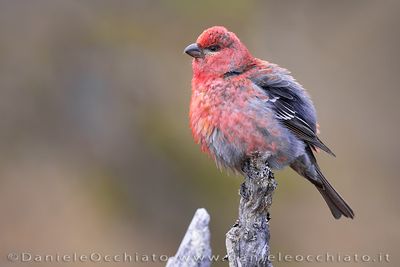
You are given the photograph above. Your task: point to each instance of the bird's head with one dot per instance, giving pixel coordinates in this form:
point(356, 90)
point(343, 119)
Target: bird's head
point(217, 51)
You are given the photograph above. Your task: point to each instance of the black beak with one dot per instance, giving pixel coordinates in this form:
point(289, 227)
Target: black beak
point(194, 50)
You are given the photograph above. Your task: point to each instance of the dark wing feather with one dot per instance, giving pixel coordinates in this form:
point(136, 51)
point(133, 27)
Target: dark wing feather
point(285, 96)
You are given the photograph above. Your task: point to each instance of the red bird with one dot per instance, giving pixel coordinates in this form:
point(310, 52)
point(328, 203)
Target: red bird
point(242, 105)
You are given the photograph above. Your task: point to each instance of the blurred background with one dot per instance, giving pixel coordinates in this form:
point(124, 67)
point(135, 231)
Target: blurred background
point(97, 155)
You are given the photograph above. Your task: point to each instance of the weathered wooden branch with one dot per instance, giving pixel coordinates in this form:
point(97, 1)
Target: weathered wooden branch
point(247, 242)
point(195, 249)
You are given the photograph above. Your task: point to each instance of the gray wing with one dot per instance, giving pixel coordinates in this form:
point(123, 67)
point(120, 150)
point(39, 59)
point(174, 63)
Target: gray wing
point(288, 100)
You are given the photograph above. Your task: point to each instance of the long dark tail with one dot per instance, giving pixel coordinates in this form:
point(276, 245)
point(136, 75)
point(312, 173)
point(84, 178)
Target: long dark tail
point(307, 166)
point(336, 203)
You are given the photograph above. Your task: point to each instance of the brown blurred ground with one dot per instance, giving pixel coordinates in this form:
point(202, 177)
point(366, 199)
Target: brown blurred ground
point(96, 150)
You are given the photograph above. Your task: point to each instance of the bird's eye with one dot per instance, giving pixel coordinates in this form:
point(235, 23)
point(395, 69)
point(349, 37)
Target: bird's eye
point(214, 48)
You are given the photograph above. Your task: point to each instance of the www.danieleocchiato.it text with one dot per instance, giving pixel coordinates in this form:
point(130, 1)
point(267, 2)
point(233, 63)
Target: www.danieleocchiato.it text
point(125, 257)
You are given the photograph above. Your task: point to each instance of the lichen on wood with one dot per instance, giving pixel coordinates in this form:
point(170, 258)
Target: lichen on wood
point(247, 242)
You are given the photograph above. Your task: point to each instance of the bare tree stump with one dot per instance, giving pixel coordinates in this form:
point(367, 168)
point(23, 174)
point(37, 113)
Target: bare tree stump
point(195, 249)
point(247, 242)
